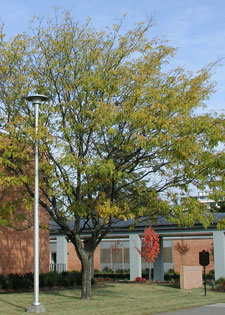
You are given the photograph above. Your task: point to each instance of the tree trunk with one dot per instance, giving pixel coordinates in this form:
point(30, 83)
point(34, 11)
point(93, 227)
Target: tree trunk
point(150, 271)
point(86, 279)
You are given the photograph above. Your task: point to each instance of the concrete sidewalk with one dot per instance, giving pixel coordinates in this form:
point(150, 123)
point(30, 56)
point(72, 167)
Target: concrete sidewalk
point(214, 309)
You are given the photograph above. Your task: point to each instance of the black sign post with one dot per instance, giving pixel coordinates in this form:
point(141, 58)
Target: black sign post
point(204, 261)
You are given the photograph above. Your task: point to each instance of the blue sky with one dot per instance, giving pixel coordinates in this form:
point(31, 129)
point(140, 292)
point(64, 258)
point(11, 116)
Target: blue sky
point(196, 27)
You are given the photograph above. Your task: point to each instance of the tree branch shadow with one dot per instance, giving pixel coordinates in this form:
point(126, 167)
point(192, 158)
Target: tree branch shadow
point(61, 293)
point(9, 303)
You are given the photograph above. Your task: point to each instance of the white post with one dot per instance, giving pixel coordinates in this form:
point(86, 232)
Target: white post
point(36, 306)
point(219, 254)
point(61, 254)
point(36, 216)
point(158, 265)
point(135, 258)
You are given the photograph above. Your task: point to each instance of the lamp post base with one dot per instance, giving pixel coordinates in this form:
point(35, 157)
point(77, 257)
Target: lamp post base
point(33, 308)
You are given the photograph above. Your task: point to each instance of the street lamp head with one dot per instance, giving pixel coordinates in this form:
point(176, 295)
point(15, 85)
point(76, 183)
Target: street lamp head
point(36, 98)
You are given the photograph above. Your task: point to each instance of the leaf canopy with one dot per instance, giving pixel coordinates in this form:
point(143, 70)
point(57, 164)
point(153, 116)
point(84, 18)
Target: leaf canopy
point(120, 135)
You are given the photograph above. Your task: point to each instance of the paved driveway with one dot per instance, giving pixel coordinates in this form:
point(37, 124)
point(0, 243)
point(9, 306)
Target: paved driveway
point(215, 309)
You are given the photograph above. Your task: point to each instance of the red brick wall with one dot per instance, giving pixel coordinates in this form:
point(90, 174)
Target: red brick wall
point(16, 251)
point(191, 258)
point(16, 247)
point(74, 262)
point(97, 262)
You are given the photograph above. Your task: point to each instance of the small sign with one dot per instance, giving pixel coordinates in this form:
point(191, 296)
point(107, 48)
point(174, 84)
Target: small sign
point(204, 261)
point(204, 258)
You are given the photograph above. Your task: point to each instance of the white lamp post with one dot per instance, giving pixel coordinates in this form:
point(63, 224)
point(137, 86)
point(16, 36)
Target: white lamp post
point(36, 306)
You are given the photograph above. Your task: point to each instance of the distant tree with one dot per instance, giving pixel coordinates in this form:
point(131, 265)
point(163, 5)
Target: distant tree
point(120, 138)
point(150, 247)
point(211, 252)
point(115, 248)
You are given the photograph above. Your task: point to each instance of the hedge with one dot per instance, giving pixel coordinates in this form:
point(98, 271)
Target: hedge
point(50, 279)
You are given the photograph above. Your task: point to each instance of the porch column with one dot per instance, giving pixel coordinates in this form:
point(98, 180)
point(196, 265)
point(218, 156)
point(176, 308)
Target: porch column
point(219, 254)
point(61, 254)
point(135, 258)
point(158, 265)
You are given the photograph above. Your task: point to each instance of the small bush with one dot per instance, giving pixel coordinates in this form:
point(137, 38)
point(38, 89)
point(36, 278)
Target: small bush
point(106, 269)
point(1, 281)
point(7, 283)
point(12, 281)
point(94, 281)
point(141, 280)
point(220, 280)
point(115, 276)
point(171, 275)
point(64, 279)
point(220, 285)
point(123, 271)
point(53, 279)
point(42, 280)
point(17, 281)
point(28, 280)
point(210, 275)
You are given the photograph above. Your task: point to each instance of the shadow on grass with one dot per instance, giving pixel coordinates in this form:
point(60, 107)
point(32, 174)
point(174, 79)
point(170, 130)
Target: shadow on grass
point(9, 303)
point(105, 291)
point(175, 285)
point(62, 294)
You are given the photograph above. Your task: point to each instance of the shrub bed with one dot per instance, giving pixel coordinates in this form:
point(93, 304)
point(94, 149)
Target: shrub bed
point(50, 279)
point(73, 278)
point(173, 276)
point(113, 276)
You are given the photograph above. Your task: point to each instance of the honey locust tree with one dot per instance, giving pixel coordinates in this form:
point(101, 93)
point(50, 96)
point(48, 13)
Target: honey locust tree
point(120, 135)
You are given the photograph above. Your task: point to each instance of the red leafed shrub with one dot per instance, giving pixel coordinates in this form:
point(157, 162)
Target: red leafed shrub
point(139, 279)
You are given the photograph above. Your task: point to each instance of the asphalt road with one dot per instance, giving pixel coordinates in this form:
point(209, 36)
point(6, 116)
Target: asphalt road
point(215, 309)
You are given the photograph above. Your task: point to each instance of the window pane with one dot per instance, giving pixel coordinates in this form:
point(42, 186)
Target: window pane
point(167, 253)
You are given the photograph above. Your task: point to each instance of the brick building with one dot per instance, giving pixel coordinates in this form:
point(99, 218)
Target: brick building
point(194, 239)
point(17, 247)
point(191, 257)
point(16, 242)
point(16, 251)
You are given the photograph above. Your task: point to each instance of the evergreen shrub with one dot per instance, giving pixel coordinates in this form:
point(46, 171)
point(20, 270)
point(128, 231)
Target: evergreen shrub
point(49, 279)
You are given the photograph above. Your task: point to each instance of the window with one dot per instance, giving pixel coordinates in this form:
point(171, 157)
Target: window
point(167, 255)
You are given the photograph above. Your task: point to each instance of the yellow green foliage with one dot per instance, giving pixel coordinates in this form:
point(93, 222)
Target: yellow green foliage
point(121, 136)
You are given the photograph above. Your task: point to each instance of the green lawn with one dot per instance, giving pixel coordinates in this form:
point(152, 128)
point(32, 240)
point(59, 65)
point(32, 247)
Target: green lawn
point(118, 298)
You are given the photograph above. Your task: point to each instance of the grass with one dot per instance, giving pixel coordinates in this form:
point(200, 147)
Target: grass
point(115, 298)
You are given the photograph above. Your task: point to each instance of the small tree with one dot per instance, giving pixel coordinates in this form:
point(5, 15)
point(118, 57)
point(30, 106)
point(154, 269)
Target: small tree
point(182, 249)
point(150, 247)
point(115, 248)
point(211, 252)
